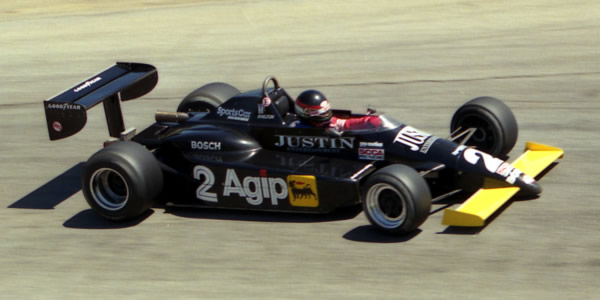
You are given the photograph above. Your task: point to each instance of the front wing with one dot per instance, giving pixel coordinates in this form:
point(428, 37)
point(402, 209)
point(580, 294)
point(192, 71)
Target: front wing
point(483, 203)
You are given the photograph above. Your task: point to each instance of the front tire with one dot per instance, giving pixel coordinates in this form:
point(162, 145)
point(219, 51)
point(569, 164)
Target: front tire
point(396, 199)
point(496, 129)
point(121, 181)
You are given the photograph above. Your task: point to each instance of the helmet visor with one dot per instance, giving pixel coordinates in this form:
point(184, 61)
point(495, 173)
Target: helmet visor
point(318, 113)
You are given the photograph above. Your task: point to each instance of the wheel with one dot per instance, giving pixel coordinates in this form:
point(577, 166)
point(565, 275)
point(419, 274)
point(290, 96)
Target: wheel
point(121, 181)
point(207, 97)
point(396, 199)
point(496, 127)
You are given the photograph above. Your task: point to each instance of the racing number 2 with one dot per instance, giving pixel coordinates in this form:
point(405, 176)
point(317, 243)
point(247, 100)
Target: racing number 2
point(202, 192)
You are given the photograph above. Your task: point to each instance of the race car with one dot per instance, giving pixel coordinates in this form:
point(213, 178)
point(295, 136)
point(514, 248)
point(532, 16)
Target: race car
point(224, 148)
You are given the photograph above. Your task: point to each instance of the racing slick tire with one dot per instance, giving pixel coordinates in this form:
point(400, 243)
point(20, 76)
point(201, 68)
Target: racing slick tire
point(207, 97)
point(121, 181)
point(496, 127)
point(396, 199)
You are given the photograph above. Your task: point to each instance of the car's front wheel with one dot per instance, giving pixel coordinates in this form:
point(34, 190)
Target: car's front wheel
point(496, 129)
point(396, 199)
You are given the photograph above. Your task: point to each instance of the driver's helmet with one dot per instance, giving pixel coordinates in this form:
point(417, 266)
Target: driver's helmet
point(313, 107)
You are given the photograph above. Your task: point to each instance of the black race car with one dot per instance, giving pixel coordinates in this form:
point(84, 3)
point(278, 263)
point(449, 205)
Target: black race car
point(227, 149)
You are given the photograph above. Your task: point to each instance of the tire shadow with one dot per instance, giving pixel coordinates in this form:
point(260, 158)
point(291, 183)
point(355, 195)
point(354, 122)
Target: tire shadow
point(88, 219)
point(263, 216)
point(54, 192)
point(370, 234)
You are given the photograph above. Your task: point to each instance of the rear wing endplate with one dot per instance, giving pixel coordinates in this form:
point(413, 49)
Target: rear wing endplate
point(66, 112)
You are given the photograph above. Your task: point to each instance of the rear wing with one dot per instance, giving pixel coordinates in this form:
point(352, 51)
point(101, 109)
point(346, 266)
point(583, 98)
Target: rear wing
point(66, 113)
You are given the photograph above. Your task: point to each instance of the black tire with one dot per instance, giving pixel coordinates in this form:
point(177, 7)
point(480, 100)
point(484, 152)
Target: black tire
point(207, 97)
point(396, 199)
point(497, 129)
point(121, 181)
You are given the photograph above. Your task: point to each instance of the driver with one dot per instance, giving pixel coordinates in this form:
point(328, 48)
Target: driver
point(314, 111)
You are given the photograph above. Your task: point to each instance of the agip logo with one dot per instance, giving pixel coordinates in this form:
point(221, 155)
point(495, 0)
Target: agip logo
point(303, 190)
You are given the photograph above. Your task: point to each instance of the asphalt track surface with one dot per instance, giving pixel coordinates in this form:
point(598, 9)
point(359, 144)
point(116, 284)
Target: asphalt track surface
point(415, 60)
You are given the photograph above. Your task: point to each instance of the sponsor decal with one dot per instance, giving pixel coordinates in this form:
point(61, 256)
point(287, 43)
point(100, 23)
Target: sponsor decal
point(205, 145)
point(504, 169)
point(371, 154)
point(87, 84)
point(427, 144)
point(303, 190)
point(254, 189)
point(266, 101)
point(371, 144)
point(64, 106)
point(212, 156)
point(412, 137)
point(266, 117)
point(314, 143)
point(234, 114)
point(292, 162)
point(57, 126)
point(514, 174)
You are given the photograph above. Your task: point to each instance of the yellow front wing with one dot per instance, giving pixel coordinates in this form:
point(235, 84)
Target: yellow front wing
point(483, 203)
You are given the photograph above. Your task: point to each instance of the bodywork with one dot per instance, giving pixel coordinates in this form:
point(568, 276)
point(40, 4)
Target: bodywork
point(247, 153)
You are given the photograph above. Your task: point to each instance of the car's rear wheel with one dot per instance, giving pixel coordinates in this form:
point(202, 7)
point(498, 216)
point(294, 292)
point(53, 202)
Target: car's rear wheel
point(496, 129)
point(207, 97)
point(121, 181)
point(396, 199)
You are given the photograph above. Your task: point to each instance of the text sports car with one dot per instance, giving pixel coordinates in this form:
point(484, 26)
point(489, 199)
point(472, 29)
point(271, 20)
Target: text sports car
point(227, 149)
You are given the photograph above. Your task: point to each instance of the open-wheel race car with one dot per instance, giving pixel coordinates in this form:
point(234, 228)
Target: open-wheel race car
point(227, 149)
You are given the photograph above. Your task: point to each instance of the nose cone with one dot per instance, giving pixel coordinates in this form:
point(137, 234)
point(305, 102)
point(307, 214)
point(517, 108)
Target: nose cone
point(528, 185)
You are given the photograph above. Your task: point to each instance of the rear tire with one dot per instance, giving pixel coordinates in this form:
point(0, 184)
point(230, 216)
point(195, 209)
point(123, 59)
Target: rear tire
point(396, 199)
point(496, 127)
point(207, 97)
point(121, 181)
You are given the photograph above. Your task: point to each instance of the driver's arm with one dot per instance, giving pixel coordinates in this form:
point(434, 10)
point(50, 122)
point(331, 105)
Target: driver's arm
point(366, 122)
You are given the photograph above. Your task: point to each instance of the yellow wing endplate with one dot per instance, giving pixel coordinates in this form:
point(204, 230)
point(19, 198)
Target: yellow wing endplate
point(483, 203)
